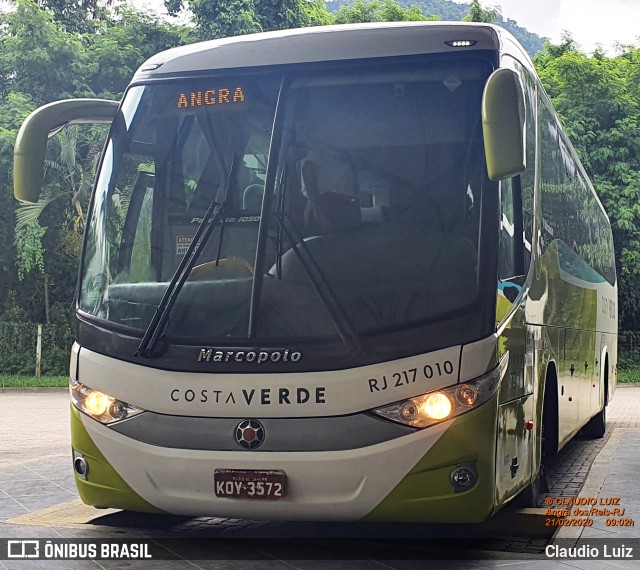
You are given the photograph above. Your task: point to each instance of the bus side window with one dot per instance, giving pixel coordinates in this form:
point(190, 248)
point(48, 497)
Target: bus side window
point(507, 230)
point(527, 178)
point(511, 253)
point(141, 269)
point(135, 258)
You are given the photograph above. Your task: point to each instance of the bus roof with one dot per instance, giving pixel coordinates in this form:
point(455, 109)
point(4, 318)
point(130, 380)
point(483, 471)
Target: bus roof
point(330, 43)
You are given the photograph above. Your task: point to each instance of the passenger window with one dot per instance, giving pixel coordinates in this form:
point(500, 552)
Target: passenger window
point(523, 185)
point(196, 153)
point(132, 203)
point(527, 178)
point(141, 269)
point(511, 255)
point(506, 256)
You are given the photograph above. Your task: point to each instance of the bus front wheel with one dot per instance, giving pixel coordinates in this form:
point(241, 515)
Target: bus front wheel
point(530, 495)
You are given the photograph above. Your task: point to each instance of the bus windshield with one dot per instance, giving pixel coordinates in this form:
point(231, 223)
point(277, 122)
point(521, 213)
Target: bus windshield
point(372, 222)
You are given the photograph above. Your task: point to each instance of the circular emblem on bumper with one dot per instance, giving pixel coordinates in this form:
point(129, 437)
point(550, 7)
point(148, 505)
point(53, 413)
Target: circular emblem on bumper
point(249, 434)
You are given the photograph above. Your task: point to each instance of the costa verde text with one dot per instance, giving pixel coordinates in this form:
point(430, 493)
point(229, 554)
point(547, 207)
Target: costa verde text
point(260, 397)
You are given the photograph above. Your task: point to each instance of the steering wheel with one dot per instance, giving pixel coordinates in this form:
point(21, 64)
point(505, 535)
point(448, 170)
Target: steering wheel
point(228, 268)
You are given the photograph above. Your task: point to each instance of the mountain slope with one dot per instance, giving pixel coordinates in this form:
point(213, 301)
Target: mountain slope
point(448, 10)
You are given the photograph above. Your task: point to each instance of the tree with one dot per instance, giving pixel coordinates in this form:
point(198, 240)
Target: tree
point(453, 11)
point(45, 56)
point(75, 16)
point(122, 44)
point(599, 103)
point(318, 14)
point(37, 56)
point(218, 18)
point(379, 11)
point(478, 14)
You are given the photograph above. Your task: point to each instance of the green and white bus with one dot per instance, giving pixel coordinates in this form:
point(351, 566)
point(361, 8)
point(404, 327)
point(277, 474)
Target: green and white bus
point(336, 273)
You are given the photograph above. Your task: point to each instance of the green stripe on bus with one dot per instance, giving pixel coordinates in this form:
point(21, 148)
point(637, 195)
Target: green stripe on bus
point(426, 493)
point(104, 487)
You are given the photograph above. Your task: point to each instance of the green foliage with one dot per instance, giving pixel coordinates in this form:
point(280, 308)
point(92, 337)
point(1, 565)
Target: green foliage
point(317, 13)
point(68, 177)
point(76, 16)
point(630, 375)
point(454, 11)
point(18, 348)
point(379, 11)
point(54, 49)
point(29, 250)
point(479, 14)
point(629, 351)
point(27, 381)
point(120, 46)
point(224, 18)
point(598, 101)
point(33, 46)
point(443, 9)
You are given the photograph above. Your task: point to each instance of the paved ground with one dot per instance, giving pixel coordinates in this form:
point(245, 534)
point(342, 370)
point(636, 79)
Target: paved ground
point(38, 500)
point(43, 415)
point(572, 466)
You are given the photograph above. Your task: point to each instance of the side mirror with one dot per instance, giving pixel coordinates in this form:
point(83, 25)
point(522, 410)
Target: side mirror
point(31, 143)
point(503, 124)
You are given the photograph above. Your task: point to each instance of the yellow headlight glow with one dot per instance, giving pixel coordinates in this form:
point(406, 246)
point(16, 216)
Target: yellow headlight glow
point(446, 403)
point(436, 406)
point(97, 403)
point(100, 406)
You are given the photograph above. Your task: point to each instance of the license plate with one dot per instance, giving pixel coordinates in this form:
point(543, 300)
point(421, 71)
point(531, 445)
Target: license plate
point(249, 484)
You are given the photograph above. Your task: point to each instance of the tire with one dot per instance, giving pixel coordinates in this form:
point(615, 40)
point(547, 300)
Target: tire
point(528, 497)
point(597, 425)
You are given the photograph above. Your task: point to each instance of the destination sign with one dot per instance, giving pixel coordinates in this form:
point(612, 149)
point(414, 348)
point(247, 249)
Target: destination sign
point(208, 97)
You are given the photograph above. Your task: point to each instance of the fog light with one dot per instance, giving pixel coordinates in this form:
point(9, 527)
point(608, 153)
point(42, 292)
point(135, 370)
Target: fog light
point(463, 478)
point(80, 465)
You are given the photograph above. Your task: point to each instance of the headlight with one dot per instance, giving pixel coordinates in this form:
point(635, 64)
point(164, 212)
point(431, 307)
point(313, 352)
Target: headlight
point(100, 406)
point(428, 409)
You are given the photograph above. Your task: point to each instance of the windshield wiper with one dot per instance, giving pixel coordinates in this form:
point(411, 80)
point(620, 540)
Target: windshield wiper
point(280, 210)
point(323, 289)
point(159, 322)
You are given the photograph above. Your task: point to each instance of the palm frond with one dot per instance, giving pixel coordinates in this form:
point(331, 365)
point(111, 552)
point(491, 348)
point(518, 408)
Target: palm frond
point(27, 213)
point(69, 146)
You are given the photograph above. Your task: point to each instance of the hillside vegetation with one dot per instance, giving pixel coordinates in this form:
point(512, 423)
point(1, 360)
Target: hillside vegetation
point(448, 10)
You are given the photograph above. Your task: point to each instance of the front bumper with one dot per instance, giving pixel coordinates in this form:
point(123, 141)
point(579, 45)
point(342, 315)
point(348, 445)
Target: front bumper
point(406, 479)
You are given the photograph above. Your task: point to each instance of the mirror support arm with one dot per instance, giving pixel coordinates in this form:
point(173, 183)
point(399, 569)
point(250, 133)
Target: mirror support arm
point(31, 142)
